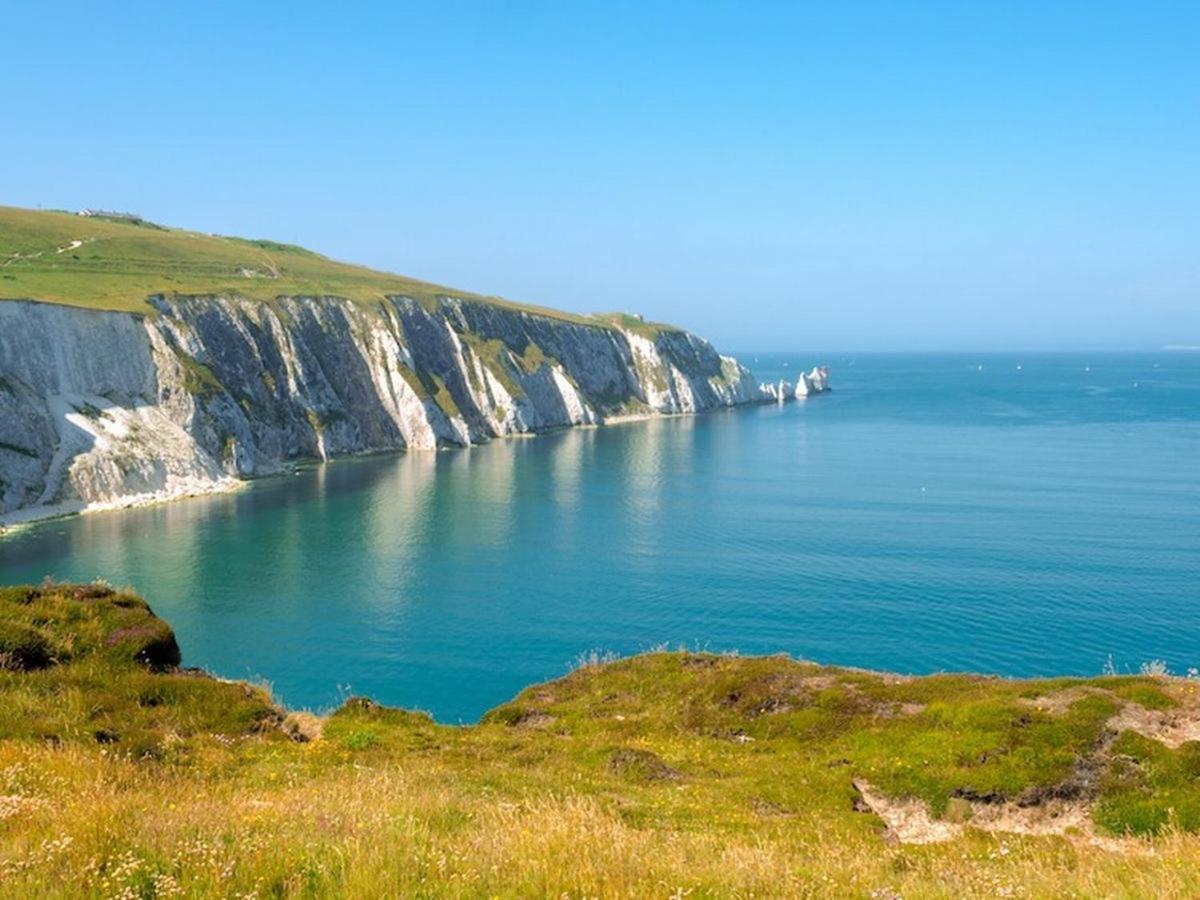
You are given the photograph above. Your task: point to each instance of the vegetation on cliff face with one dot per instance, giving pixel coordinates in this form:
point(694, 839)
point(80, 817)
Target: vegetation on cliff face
point(635, 323)
point(668, 774)
point(117, 263)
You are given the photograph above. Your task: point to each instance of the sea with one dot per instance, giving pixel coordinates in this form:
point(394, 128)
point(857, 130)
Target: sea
point(1012, 514)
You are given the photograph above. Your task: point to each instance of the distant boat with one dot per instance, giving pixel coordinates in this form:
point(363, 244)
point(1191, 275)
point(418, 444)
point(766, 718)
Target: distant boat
point(979, 368)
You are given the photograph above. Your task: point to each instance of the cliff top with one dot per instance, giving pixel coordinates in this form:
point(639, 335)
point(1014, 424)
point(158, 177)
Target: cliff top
point(670, 773)
point(117, 261)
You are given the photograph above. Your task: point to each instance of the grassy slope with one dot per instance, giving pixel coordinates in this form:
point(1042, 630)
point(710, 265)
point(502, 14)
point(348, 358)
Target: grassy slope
point(665, 772)
point(120, 264)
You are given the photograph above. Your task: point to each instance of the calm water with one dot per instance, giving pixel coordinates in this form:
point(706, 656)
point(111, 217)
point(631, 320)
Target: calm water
point(925, 515)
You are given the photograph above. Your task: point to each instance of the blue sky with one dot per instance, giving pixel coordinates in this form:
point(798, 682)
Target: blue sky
point(774, 176)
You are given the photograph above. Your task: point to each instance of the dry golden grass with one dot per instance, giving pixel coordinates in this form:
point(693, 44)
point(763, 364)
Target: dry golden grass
point(103, 826)
point(667, 775)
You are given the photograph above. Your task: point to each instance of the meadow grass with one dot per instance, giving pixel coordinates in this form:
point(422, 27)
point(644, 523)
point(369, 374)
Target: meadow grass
point(668, 774)
point(118, 264)
point(636, 324)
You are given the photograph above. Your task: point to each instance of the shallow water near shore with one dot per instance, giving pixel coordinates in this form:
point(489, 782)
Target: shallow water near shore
point(1014, 514)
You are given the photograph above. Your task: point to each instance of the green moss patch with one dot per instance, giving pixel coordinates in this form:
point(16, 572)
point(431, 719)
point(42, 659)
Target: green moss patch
point(198, 379)
point(494, 355)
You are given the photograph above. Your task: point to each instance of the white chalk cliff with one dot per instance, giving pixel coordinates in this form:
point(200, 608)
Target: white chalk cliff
point(813, 382)
point(101, 409)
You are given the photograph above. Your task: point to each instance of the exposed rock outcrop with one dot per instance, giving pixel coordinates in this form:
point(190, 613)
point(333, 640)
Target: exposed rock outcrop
point(109, 408)
point(813, 382)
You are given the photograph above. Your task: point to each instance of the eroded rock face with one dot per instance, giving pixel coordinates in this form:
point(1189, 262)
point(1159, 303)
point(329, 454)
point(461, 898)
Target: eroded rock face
point(107, 409)
point(814, 382)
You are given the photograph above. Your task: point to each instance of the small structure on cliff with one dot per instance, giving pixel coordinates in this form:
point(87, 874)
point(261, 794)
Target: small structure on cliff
point(110, 215)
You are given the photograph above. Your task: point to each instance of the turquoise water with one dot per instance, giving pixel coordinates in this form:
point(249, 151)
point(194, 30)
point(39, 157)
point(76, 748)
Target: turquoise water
point(926, 515)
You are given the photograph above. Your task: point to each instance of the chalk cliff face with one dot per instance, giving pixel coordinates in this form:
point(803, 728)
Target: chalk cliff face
point(108, 408)
point(814, 382)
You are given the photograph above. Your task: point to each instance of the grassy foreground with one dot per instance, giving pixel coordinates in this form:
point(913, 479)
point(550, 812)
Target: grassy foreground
point(669, 774)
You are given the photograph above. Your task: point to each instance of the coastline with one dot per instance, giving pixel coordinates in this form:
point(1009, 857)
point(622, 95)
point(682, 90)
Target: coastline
point(108, 409)
point(12, 522)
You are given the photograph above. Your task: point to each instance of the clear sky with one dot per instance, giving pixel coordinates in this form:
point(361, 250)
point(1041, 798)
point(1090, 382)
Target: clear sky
point(775, 176)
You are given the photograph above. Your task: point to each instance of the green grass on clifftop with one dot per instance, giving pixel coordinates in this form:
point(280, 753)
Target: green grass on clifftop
point(116, 264)
point(668, 774)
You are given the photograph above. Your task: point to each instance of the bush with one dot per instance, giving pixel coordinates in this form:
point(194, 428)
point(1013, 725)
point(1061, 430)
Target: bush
point(24, 649)
point(152, 644)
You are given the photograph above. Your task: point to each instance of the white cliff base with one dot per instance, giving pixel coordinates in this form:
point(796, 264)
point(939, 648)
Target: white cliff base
point(107, 409)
